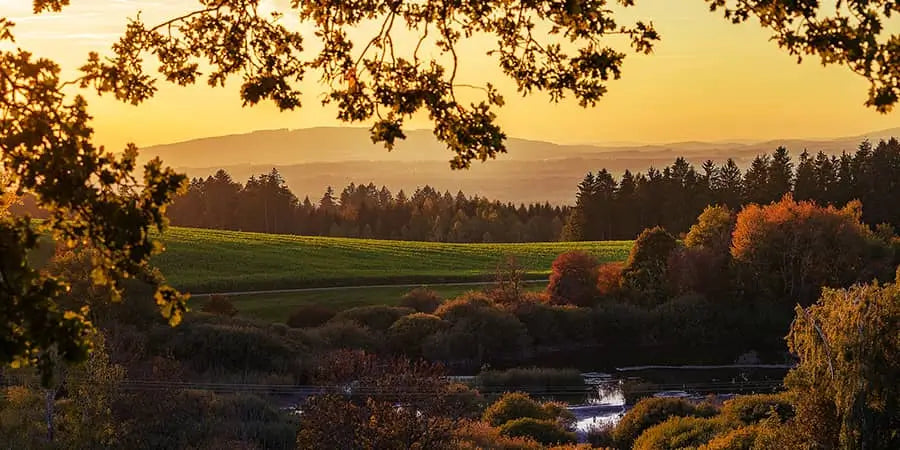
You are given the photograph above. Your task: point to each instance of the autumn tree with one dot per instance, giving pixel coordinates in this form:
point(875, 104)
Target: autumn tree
point(573, 279)
point(789, 250)
point(712, 230)
point(848, 369)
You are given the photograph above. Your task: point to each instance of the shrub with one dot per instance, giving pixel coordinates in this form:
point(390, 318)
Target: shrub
point(645, 275)
point(619, 324)
point(479, 435)
point(601, 436)
point(233, 345)
point(750, 409)
point(679, 432)
point(219, 305)
point(553, 325)
point(573, 279)
point(422, 300)
point(308, 316)
point(743, 438)
point(647, 413)
point(512, 406)
point(409, 333)
point(343, 334)
point(689, 319)
point(546, 432)
point(464, 306)
point(375, 317)
point(534, 380)
point(609, 279)
point(478, 334)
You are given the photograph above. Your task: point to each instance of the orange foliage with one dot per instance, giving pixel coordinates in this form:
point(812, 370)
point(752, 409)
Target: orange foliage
point(609, 278)
point(792, 249)
point(573, 279)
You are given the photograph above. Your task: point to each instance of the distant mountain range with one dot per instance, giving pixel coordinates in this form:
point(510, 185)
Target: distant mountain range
point(312, 158)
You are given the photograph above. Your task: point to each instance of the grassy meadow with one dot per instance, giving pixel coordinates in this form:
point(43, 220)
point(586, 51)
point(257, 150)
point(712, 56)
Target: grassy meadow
point(200, 261)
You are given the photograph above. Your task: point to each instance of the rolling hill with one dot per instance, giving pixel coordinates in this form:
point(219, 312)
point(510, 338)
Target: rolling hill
point(216, 261)
point(311, 159)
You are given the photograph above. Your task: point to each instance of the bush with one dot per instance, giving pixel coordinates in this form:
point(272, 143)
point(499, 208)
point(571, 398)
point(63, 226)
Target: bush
point(409, 333)
point(375, 317)
point(647, 413)
point(343, 334)
point(550, 325)
point(609, 279)
point(422, 300)
point(547, 432)
point(679, 432)
point(534, 380)
point(219, 305)
point(573, 279)
point(645, 276)
point(512, 406)
point(479, 436)
point(464, 306)
point(478, 334)
point(619, 324)
point(751, 409)
point(308, 316)
point(743, 438)
point(233, 345)
point(601, 436)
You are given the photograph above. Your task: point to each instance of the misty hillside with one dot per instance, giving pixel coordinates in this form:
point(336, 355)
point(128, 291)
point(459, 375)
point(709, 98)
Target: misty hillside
point(311, 159)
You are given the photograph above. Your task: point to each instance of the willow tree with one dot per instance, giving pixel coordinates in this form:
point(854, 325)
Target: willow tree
point(564, 48)
point(846, 381)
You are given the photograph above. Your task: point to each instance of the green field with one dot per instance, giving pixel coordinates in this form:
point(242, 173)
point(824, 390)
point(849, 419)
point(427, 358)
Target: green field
point(198, 260)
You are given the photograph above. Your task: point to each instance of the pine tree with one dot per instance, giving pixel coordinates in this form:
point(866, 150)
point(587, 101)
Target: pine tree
point(805, 186)
point(756, 181)
point(780, 174)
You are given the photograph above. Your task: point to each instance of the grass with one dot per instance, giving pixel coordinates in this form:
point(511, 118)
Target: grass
point(277, 307)
point(198, 260)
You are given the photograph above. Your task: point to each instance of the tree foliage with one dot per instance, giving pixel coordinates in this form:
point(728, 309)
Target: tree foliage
point(573, 279)
point(849, 354)
point(646, 271)
point(674, 196)
point(92, 196)
point(789, 250)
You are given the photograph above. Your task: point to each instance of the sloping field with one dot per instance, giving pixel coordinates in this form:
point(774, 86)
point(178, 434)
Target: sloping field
point(198, 260)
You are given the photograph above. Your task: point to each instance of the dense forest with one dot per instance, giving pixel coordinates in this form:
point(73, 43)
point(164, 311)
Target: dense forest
point(606, 207)
point(265, 204)
point(673, 197)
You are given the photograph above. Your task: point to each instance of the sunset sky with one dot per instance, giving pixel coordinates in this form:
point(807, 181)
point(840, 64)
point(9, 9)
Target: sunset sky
point(707, 80)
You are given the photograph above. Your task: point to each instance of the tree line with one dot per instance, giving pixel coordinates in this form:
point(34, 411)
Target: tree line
point(265, 204)
point(607, 208)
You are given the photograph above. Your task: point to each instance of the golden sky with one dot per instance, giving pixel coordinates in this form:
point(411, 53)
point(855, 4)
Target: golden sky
point(707, 80)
